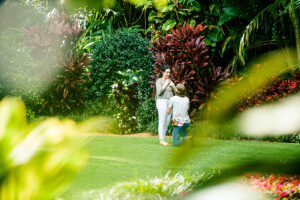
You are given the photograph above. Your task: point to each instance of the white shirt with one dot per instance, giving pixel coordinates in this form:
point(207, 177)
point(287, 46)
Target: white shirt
point(180, 106)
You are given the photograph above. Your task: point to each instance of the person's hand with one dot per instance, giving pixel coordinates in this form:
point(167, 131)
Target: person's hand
point(168, 81)
point(172, 84)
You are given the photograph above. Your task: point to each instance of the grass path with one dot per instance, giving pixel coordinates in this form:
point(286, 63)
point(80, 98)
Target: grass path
point(120, 159)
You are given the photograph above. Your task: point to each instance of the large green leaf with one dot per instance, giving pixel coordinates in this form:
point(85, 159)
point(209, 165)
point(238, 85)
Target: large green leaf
point(223, 19)
point(152, 15)
point(168, 24)
point(90, 3)
point(155, 17)
point(191, 22)
point(196, 6)
point(207, 41)
point(168, 8)
point(244, 9)
point(216, 34)
point(234, 8)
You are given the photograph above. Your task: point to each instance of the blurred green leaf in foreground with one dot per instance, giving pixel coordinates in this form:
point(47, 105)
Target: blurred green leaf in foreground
point(38, 160)
point(268, 120)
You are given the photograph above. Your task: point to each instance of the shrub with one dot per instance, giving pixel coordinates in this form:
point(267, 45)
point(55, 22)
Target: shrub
point(51, 44)
point(185, 51)
point(277, 89)
point(122, 62)
point(123, 98)
point(231, 131)
point(67, 90)
point(19, 72)
point(166, 187)
point(279, 187)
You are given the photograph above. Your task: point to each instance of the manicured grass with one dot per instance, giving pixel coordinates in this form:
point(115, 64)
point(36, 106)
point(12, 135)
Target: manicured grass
point(121, 159)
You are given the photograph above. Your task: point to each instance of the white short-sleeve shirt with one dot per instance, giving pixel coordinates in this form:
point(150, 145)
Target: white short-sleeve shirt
point(180, 107)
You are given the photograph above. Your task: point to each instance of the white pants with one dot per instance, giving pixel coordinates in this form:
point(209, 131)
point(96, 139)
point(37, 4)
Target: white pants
point(163, 118)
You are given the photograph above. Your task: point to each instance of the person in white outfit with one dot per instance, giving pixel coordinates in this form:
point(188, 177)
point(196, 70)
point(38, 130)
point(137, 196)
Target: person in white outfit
point(179, 104)
point(165, 89)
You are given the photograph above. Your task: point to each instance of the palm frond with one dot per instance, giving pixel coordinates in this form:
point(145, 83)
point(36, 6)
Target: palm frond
point(252, 27)
point(297, 4)
point(226, 42)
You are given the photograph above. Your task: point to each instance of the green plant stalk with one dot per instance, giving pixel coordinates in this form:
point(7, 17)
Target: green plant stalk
point(177, 15)
point(295, 21)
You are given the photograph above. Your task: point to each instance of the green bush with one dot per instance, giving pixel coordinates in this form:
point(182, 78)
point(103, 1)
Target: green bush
point(19, 71)
point(166, 187)
point(231, 131)
point(62, 70)
point(122, 60)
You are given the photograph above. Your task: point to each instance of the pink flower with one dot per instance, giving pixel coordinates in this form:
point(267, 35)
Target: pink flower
point(284, 193)
point(290, 185)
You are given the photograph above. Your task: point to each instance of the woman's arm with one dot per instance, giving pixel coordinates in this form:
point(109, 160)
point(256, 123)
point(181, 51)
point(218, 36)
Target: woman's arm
point(172, 85)
point(169, 111)
point(161, 89)
point(170, 106)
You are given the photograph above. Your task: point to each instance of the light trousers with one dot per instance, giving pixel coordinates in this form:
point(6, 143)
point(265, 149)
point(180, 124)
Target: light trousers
point(163, 118)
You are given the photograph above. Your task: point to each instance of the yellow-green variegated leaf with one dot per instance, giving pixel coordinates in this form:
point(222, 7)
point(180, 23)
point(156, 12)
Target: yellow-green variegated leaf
point(168, 24)
point(38, 160)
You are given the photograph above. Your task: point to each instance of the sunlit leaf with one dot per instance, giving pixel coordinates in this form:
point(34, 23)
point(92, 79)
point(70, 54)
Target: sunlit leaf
point(216, 34)
point(169, 24)
point(39, 160)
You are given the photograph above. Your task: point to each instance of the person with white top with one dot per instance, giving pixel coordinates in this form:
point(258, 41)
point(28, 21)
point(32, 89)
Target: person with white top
point(179, 104)
point(164, 91)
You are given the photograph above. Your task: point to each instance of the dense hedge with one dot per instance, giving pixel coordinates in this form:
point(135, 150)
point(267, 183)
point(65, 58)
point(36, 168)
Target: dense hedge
point(123, 62)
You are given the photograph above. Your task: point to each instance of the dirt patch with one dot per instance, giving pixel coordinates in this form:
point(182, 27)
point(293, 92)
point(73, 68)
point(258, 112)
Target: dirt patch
point(131, 135)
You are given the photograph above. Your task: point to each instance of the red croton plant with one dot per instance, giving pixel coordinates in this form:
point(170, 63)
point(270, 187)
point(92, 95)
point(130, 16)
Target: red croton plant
point(185, 52)
point(52, 46)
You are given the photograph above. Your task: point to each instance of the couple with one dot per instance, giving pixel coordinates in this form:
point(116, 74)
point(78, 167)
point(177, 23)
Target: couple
point(167, 103)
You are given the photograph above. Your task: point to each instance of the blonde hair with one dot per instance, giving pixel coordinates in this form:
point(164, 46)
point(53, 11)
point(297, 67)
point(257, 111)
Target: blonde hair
point(181, 91)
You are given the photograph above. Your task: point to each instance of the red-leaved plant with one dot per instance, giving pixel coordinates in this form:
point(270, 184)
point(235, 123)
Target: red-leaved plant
point(52, 44)
point(282, 187)
point(67, 86)
point(278, 89)
point(185, 52)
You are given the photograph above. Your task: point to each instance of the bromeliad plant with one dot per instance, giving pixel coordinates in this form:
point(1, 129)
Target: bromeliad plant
point(184, 49)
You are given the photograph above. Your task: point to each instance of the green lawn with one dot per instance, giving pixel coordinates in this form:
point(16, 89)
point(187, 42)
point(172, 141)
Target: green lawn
point(120, 159)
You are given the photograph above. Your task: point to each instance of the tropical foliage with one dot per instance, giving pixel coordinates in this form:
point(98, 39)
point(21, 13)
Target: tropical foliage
point(122, 62)
point(185, 51)
point(52, 45)
point(47, 62)
point(279, 187)
point(30, 167)
point(166, 187)
point(269, 17)
point(278, 89)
